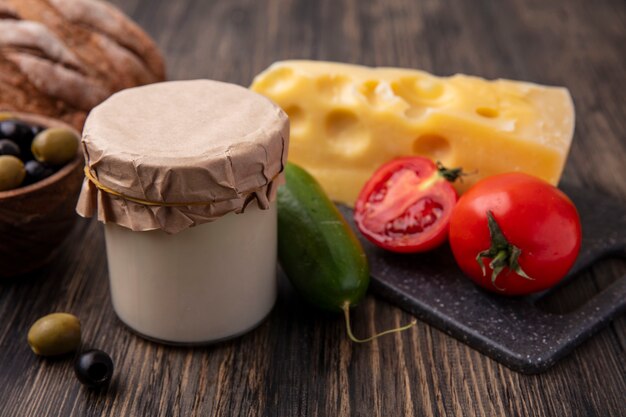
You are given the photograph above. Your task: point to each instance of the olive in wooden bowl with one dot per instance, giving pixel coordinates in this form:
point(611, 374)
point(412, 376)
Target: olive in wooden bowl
point(37, 198)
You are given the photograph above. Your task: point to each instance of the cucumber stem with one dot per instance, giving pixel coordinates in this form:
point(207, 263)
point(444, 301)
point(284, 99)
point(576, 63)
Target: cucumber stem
point(346, 313)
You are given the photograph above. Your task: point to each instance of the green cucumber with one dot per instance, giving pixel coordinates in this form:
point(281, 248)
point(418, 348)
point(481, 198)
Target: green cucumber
point(317, 249)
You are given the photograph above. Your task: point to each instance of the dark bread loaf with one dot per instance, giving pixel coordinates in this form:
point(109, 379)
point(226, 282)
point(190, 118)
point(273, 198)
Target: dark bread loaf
point(60, 58)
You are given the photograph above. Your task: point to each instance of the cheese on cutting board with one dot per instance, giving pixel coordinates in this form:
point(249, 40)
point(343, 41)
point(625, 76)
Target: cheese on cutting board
point(347, 120)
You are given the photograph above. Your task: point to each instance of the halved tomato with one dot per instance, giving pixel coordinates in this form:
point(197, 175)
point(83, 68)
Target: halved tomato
point(406, 205)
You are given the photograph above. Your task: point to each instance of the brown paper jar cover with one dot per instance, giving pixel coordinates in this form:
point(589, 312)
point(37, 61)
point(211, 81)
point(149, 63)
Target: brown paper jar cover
point(194, 150)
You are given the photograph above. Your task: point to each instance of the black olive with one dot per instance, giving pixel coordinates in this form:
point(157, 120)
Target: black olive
point(8, 147)
point(93, 368)
point(17, 131)
point(8, 128)
point(37, 129)
point(20, 133)
point(36, 171)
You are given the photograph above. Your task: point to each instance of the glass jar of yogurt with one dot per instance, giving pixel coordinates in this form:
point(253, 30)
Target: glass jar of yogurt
point(184, 176)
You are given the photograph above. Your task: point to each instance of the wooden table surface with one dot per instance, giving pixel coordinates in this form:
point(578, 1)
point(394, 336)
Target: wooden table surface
point(299, 362)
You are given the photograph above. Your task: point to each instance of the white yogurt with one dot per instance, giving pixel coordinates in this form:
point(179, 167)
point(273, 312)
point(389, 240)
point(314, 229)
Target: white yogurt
point(168, 166)
point(204, 284)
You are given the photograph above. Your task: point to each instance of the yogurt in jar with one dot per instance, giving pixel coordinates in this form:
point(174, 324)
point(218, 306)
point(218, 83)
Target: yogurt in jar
point(184, 174)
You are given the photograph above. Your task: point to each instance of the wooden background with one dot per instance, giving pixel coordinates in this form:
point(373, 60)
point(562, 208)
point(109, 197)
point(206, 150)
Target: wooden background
point(299, 362)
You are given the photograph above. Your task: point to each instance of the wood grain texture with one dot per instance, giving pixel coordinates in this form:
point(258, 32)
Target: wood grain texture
point(299, 362)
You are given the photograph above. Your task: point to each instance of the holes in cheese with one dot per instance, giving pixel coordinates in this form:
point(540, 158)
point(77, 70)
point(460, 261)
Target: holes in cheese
point(345, 132)
point(332, 86)
point(436, 147)
point(372, 93)
point(487, 112)
point(347, 120)
point(297, 117)
point(420, 93)
point(278, 81)
point(418, 90)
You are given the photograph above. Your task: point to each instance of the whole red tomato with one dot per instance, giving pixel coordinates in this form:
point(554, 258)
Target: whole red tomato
point(515, 234)
point(406, 204)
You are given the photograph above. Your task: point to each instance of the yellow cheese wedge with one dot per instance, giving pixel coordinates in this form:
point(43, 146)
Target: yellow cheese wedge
point(347, 120)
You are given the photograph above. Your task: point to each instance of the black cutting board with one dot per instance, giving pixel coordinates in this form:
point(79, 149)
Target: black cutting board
point(511, 330)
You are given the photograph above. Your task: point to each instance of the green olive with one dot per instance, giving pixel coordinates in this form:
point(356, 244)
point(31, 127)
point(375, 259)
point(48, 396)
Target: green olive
point(12, 172)
point(55, 334)
point(55, 146)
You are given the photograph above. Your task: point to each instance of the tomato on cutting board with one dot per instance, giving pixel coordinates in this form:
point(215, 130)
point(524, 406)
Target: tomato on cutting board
point(515, 234)
point(406, 205)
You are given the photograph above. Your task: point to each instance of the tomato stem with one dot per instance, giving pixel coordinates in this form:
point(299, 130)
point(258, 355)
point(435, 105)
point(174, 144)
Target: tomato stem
point(346, 313)
point(450, 174)
point(497, 264)
point(502, 253)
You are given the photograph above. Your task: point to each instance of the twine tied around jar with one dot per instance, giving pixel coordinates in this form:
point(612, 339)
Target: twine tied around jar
point(102, 187)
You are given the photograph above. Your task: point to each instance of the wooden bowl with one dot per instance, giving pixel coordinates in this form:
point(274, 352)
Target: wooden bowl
point(35, 219)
